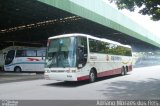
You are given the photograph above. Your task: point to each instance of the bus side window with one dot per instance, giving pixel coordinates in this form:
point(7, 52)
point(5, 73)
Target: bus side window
point(31, 53)
point(41, 53)
point(82, 50)
point(20, 53)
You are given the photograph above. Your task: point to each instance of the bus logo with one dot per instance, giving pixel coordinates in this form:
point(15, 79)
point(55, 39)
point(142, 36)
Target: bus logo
point(33, 59)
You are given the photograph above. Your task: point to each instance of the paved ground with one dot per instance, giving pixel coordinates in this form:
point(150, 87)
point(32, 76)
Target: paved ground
point(140, 84)
point(7, 77)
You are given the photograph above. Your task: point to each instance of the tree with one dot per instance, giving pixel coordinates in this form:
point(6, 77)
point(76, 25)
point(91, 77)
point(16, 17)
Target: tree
point(147, 7)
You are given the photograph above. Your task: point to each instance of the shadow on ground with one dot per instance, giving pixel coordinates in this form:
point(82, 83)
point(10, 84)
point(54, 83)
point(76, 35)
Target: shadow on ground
point(78, 83)
point(130, 90)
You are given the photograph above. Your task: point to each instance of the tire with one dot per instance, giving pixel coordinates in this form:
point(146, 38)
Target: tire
point(92, 76)
point(17, 69)
point(126, 70)
point(123, 71)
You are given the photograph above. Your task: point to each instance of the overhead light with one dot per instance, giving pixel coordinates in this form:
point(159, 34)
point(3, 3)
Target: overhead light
point(42, 23)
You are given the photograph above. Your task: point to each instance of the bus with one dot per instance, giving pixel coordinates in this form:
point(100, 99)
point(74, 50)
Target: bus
point(76, 57)
point(25, 59)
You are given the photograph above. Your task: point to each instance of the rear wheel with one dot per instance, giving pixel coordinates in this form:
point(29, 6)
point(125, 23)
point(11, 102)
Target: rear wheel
point(123, 71)
point(126, 69)
point(92, 76)
point(17, 69)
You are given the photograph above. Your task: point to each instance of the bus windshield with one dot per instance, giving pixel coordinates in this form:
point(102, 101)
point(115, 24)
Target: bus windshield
point(61, 52)
point(9, 57)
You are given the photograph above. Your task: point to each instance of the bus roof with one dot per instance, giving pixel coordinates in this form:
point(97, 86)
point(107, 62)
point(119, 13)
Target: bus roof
point(89, 36)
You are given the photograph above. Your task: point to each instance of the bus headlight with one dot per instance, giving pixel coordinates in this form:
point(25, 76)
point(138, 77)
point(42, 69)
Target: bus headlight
point(73, 71)
point(70, 71)
point(47, 71)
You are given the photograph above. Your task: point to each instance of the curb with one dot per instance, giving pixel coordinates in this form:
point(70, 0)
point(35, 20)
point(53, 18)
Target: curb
point(17, 74)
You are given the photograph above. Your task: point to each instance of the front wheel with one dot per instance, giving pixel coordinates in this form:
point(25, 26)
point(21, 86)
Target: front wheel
point(92, 76)
point(123, 71)
point(17, 69)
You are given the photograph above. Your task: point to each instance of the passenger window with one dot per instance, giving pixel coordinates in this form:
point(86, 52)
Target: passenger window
point(82, 51)
point(31, 53)
point(20, 53)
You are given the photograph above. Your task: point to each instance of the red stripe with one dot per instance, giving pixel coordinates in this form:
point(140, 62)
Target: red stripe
point(102, 74)
point(109, 72)
point(130, 68)
point(83, 78)
point(105, 73)
point(33, 59)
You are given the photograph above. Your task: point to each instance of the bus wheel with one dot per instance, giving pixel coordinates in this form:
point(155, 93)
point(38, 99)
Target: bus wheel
point(92, 76)
point(126, 69)
point(17, 69)
point(123, 71)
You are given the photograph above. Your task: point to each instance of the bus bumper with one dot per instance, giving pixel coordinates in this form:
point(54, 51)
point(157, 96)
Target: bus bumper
point(61, 76)
point(7, 68)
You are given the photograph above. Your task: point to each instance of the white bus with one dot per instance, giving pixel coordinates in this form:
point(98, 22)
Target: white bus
point(28, 59)
point(75, 57)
